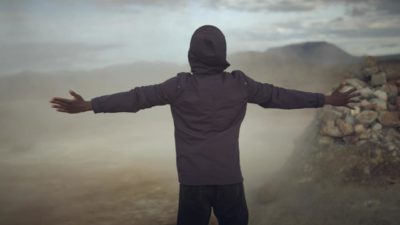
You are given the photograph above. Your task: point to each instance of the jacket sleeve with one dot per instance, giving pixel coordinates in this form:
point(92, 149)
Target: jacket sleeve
point(269, 96)
point(138, 98)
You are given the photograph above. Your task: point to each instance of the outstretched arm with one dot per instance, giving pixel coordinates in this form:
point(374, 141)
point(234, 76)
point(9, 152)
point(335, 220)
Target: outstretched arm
point(270, 96)
point(129, 101)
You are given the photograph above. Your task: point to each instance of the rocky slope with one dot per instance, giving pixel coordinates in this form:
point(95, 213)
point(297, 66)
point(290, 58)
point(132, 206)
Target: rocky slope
point(371, 132)
point(346, 167)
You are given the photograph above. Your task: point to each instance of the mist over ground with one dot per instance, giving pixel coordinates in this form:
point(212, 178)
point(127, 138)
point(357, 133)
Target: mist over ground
point(58, 168)
point(61, 169)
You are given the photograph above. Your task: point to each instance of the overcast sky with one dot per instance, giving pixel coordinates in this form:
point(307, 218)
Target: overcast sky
point(44, 35)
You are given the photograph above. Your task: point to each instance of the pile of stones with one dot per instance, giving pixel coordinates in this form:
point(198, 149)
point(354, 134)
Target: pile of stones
point(375, 120)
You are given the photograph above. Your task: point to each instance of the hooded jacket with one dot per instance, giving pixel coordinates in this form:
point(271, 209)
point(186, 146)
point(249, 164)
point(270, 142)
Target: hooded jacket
point(208, 106)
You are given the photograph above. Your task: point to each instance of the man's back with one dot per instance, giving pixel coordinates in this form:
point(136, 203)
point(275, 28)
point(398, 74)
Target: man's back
point(207, 116)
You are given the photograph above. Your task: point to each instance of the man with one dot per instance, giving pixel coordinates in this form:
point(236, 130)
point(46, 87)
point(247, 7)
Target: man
point(208, 106)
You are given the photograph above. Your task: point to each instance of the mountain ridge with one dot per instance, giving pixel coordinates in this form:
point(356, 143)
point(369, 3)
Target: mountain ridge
point(312, 52)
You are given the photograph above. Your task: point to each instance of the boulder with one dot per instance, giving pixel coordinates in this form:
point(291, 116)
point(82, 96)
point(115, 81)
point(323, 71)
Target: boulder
point(344, 127)
point(369, 71)
point(391, 90)
point(355, 111)
point(350, 119)
point(370, 61)
point(356, 83)
point(330, 113)
point(377, 126)
point(343, 110)
point(367, 117)
point(389, 119)
point(381, 95)
point(379, 104)
point(392, 147)
point(330, 129)
point(359, 128)
point(378, 79)
point(366, 105)
point(366, 92)
point(365, 135)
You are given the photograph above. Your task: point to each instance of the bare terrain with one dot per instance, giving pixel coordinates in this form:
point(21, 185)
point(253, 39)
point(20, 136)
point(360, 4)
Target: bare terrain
point(120, 168)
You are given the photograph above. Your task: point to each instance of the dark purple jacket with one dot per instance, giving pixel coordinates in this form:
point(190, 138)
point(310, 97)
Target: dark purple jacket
point(208, 107)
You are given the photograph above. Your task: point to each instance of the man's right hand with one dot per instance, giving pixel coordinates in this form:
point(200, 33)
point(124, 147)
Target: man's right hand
point(338, 98)
point(75, 105)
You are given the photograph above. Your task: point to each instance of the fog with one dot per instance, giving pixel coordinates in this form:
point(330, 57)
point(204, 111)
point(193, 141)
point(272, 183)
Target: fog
point(119, 168)
point(79, 169)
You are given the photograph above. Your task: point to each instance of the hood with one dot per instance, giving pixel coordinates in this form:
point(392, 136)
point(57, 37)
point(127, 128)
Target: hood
point(207, 52)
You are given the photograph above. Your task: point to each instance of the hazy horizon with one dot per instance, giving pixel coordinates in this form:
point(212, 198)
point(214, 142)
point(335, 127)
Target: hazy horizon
point(48, 35)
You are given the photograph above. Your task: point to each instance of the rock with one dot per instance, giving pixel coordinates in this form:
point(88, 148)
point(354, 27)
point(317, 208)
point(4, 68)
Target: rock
point(359, 128)
point(345, 128)
point(378, 79)
point(350, 119)
point(329, 128)
point(392, 147)
point(343, 110)
point(381, 95)
point(393, 133)
point(367, 117)
point(379, 104)
point(369, 71)
point(388, 137)
point(366, 134)
point(377, 126)
point(330, 113)
point(355, 111)
point(365, 104)
point(370, 61)
point(391, 90)
point(366, 92)
point(356, 83)
point(374, 136)
point(389, 119)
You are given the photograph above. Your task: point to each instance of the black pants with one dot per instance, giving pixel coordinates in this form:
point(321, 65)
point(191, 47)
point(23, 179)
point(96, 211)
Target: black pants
point(227, 201)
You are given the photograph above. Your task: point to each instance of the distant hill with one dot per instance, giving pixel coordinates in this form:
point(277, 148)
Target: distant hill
point(315, 53)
